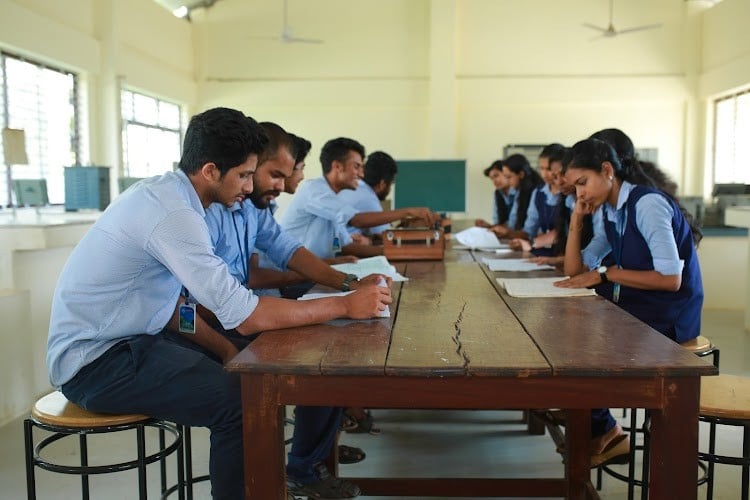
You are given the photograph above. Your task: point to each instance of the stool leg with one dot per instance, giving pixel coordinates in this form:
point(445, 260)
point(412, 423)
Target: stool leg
point(645, 455)
point(598, 479)
point(141, 438)
point(181, 464)
point(633, 444)
point(745, 455)
point(188, 463)
point(84, 463)
point(162, 463)
point(712, 452)
point(28, 427)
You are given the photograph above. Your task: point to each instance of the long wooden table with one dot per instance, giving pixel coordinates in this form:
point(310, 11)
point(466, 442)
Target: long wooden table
point(455, 340)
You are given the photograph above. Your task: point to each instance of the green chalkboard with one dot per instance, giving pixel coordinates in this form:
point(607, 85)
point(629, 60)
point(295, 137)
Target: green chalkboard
point(437, 184)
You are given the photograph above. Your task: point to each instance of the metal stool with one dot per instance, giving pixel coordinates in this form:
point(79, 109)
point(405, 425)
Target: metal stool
point(187, 449)
point(54, 413)
point(725, 400)
point(701, 347)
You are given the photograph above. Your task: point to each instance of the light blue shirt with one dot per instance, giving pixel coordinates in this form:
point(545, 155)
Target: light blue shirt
point(363, 199)
point(316, 216)
point(237, 232)
point(653, 220)
point(125, 275)
point(531, 224)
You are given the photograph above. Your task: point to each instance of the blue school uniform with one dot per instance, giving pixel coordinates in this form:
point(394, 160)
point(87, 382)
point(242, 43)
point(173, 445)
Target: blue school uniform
point(675, 314)
point(541, 215)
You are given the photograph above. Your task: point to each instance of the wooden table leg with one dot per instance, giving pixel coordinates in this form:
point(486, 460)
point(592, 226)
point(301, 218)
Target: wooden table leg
point(578, 461)
point(674, 441)
point(263, 436)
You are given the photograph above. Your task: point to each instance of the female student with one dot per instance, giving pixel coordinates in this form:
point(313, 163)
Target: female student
point(543, 208)
point(523, 179)
point(656, 275)
point(504, 196)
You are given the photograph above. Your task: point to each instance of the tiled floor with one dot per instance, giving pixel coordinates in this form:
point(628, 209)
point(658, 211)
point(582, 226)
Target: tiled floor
point(412, 443)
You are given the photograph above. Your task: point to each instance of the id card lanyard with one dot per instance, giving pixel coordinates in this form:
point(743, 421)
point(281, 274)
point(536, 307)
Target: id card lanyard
point(618, 249)
point(186, 314)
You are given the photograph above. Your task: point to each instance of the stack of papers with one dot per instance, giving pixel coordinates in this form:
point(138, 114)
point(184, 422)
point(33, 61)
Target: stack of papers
point(540, 287)
point(386, 313)
point(514, 265)
point(479, 238)
point(371, 265)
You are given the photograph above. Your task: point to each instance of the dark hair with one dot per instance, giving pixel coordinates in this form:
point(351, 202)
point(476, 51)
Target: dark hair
point(518, 163)
point(223, 136)
point(301, 148)
point(591, 153)
point(277, 139)
point(553, 152)
point(379, 166)
point(496, 165)
point(660, 178)
point(336, 150)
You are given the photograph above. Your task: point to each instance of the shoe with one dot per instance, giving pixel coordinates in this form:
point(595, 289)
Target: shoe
point(613, 447)
point(350, 454)
point(289, 496)
point(327, 487)
point(603, 442)
point(365, 425)
point(616, 452)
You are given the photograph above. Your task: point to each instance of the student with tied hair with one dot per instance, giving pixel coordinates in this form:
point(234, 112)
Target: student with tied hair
point(523, 179)
point(655, 274)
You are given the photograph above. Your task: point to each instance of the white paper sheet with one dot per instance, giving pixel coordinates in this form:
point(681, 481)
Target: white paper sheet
point(386, 313)
point(540, 287)
point(478, 237)
point(514, 265)
point(371, 265)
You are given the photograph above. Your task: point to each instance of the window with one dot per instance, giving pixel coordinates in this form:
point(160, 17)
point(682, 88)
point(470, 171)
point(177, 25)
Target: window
point(731, 145)
point(150, 134)
point(43, 102)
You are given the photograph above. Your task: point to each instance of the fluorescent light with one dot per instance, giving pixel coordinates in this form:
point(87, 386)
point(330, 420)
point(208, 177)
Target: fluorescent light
point(181, 11)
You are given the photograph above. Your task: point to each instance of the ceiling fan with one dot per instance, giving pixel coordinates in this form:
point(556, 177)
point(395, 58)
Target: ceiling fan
point(287, 34)
point(611, 31)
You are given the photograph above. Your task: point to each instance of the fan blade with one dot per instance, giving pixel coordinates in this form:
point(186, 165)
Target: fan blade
point(639, 28)
point(597, 28)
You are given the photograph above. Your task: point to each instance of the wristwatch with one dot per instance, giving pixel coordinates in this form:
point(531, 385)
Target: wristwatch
point(348, 279)
point(602, 270)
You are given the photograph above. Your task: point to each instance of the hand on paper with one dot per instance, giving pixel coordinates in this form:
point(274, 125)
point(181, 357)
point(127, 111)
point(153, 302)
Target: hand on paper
point(583, 280)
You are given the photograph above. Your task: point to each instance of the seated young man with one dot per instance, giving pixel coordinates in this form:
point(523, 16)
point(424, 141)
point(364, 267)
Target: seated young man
point(318, 217)
point(379, 173)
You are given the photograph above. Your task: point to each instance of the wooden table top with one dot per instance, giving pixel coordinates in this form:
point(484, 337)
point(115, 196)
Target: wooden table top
point(451, 319)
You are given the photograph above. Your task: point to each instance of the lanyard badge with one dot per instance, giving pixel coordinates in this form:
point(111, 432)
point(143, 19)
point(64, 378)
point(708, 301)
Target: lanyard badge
point(186, 316)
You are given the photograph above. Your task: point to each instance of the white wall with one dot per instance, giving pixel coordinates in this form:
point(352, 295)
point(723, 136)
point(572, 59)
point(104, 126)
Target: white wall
point(514, 72)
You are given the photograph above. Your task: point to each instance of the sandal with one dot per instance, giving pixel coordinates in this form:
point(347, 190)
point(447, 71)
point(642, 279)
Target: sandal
point(350, 454)
point(356, 425)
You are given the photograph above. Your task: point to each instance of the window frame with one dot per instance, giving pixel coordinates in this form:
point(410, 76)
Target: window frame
point(44, 166)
